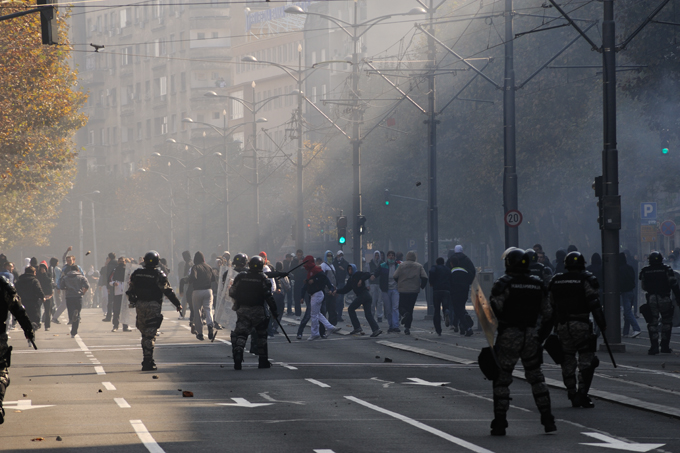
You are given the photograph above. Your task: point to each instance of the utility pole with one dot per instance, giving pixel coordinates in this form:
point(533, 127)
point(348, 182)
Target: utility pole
point(81, 257)
point(357, 117)
point(432, 208)
point(226, 176)
point(509, 139)
point(256, 176)
point(94, 238)
point(299, 218)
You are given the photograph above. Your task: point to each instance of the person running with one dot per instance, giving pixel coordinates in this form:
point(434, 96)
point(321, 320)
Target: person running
point(411, 278)
point(358, 283)
point(314, 284)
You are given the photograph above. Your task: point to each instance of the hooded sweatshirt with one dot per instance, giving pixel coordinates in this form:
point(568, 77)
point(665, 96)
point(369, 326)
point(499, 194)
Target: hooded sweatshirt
point(410, 275)
point(353, 282)
point(201, 275)
point(316, 279)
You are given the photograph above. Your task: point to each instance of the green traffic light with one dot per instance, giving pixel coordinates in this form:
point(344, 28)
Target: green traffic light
point(342, 240)
point(387, 203)
point(664, 151)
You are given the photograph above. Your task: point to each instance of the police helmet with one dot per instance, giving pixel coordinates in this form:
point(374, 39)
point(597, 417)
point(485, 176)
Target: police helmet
point(240, 260)
point(655, 258)
point(574, 261)
point(531, 255)
point(151, 259)
point(516, 260)
point(256, 264)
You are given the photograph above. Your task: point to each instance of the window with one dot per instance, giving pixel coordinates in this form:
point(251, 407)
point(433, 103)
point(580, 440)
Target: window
point(173, 88)
point(172, 43)
point(183, 82)
point(201, 36)
point(314, 95)
point(139, 130)
point(148, 128)
point(114, 98)
point(173, 123)
point(236, 107)
point(123, 18)
point(239, 137)
point(323, 92)
point(127, 56)
point(216, 115)
point(184, 115)
point(147, 86)
point(114, 135)
point(124, 135)
point(90, 138)
point(323, 54)
point(164, 87)
point(138, 91)
point(313, 58)
point(182, 43)
point(138, 52)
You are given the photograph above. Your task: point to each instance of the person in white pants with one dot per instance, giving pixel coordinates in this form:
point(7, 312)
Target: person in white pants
point(314, 284)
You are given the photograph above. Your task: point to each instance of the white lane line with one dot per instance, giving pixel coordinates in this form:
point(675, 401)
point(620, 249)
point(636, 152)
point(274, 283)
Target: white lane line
point(146, 438)
point(319, 383)
point(424, 427)
point(223, 341)
point(122, 403)
point(83, 346)
point(325, 450)
point(96, 362)
point(100, 370)
point(285, 365)
point(108, 386)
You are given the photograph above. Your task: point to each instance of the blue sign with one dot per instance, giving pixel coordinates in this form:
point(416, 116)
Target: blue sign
point(648, 211)
point(411, 244)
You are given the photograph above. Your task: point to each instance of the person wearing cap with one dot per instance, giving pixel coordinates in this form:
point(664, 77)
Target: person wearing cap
point(341, 266)
point(314, 284)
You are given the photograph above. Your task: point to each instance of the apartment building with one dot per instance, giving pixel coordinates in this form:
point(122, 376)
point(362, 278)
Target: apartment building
point(157, 59)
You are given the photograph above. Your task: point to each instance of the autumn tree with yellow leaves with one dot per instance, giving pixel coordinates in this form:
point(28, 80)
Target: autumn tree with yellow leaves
point(39, 114)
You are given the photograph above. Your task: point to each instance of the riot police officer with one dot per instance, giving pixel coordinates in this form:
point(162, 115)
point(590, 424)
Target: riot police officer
point(538, 269)
point(147, 287)
point(573, 296)
point(658, 280)
point(250, 291)
point(9, 302)
point(519, 301)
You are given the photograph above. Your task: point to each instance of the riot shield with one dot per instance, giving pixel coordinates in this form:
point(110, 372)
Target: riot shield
point(486, 318)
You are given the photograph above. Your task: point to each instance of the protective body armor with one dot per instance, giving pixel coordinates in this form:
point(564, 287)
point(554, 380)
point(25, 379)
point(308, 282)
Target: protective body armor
point(568, 292)
point(148, 283)
point(250, 289)
point(523, 303)
point(656, 279)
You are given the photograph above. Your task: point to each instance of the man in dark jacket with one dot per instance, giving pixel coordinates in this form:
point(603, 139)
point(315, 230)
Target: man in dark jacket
point(201, 278)
point(341, 267)
point(463, 273)
point(388, 287)
point(440, 281)
point(182, 274)
point(75, 286)
point(43, 277)
point(118, 281)
point(357, 282)
point(31, 294)
point(110, 267)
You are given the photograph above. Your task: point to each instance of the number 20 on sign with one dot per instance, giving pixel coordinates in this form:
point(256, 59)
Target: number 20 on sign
point(513, 218)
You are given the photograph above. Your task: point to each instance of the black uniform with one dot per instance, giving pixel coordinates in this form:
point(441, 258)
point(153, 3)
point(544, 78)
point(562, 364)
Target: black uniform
point(658, 280)
point(574, 295)
point(147, 287)
point(9, 302)
point(521, 305)
point(250, 291)
point(539, 270)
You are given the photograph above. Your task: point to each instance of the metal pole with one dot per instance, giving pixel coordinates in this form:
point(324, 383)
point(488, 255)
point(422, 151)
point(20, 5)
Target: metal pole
point(432, 208)
point(610, 181)
point(510, 170)
point(80, 220)
point(226, 176)
point(94, 238)
point(356, 148)
point(256, 177)
point(299, 218)
point(172, 234)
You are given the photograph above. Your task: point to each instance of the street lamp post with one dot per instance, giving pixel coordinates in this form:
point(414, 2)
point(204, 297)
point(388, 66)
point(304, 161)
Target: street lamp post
point(357, 113)
point(81, 256)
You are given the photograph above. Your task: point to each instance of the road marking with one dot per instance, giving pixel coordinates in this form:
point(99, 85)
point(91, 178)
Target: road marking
point(83, 346)
point(418, 381)
point(617, 444)
point(285, 365)
point(386, 384)
point(242, 402)
point(325, 450)
point(266, 396)
point(122, 403)
point(24, 405)
point(100, 370)
point(223, 341)
point(319, 383)
point(146, 438)
point(108, 386)
point(424, 427)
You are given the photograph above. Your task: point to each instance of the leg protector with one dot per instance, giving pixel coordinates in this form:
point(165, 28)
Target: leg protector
point(548, 422)
point(587, 376)
point(154, 322)
point(665, 346)
point(264, 362)
point(654, 350)
point(238, 344)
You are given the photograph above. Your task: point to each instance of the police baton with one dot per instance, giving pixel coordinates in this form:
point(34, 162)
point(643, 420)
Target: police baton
point(30, 340)
point(606, 343)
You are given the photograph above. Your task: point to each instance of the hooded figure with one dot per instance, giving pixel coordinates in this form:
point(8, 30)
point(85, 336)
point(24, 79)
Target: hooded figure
point(411, 278)
point(314, 284)
point(31, 294)
point(358, 281)
point(200, 279)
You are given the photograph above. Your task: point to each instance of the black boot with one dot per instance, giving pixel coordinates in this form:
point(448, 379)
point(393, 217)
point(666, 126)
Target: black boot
point(149, 365)
point(264, 362)
point(548, 422)
point(2, 414)
point(665, 346)
point(237, 346)
point(211, 335)
point(573, 397)
point(654, 350)
point(498, 425)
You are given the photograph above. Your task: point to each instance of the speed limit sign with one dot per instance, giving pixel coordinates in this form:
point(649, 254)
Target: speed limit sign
point(513, 218)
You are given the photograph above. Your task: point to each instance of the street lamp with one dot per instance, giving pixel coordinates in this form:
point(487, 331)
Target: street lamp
point(81, 257)
point(357, 115)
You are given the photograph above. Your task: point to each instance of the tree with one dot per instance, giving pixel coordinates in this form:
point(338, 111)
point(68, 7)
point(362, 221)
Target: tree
point(39, 113)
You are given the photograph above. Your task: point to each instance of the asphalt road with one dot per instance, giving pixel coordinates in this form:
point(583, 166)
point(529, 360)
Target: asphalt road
point(394, 393)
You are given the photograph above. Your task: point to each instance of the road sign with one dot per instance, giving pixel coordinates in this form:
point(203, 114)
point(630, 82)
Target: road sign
point(648, 210)
point(513, 218)
point(668, 228)
point(648, 233)
point(411, 244)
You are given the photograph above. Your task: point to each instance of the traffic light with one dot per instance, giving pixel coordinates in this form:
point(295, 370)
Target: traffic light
point(342, 230)
point(323, 226)
point(309, 225)
point(362, 224)
point(387, 197)
point(48, 21)
point(665, 136)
